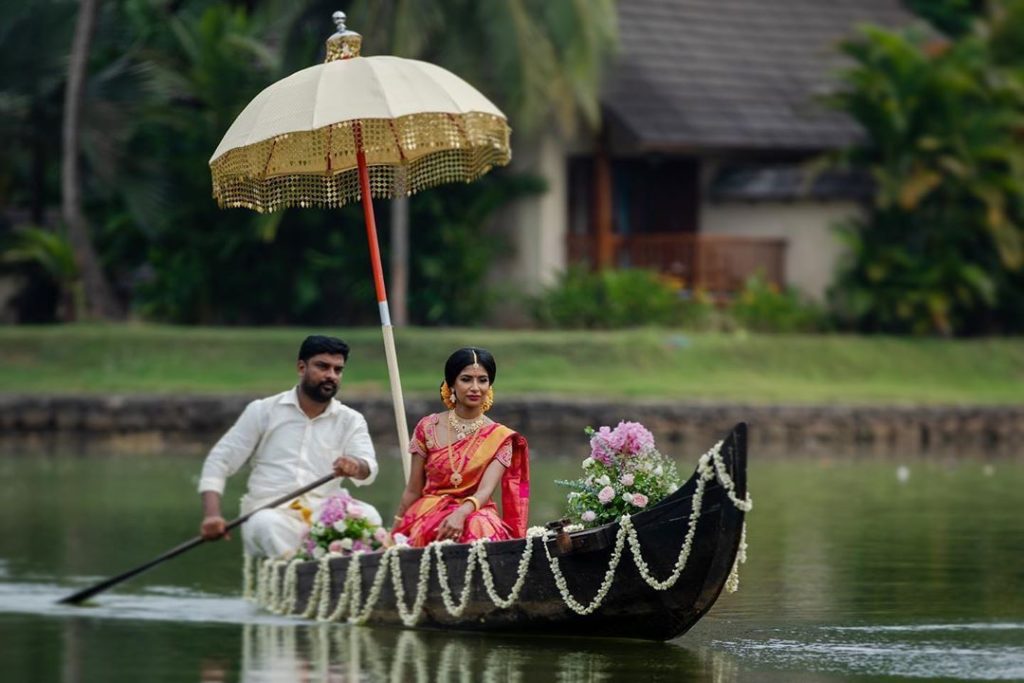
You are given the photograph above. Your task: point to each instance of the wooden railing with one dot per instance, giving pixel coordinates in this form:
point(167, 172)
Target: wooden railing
point(715, 263)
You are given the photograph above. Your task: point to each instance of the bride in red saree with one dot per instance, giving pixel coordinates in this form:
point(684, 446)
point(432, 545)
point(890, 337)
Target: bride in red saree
point(459, 458)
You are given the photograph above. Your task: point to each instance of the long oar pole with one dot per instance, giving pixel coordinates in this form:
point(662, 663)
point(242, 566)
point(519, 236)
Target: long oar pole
point(387, 331)
point(87, 593)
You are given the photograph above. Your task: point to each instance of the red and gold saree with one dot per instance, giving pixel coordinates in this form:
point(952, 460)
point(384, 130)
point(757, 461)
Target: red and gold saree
point(470, 457)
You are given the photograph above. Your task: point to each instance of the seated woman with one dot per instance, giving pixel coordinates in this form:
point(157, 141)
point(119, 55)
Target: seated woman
point(459, 458)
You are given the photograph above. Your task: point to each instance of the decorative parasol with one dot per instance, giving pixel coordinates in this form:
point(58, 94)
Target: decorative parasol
point(355, 128)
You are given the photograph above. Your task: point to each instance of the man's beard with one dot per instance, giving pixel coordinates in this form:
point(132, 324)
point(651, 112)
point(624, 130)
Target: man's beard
point(322, 392)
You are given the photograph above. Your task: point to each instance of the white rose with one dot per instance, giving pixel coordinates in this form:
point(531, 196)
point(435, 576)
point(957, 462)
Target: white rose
point(628, 497)
point(339, 526)
point(318, 552)
point(603, 480)
point(658, 471)
point(589, 462)
point(346, 544)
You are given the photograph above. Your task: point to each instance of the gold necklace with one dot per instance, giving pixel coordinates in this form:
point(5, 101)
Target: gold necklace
point(463, 427)
point(456, 477)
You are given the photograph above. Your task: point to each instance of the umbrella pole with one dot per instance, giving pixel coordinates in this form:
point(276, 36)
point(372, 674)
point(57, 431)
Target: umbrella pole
point(387, 331)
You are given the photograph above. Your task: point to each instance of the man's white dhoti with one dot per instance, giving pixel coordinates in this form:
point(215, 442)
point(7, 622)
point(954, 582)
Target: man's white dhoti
point(278, 532)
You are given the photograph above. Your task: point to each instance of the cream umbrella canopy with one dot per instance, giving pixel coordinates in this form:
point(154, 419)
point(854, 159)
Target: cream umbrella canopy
point(356, 128)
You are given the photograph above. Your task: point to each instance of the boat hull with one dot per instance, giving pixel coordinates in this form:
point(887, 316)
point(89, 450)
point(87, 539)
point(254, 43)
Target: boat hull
point(631, 608)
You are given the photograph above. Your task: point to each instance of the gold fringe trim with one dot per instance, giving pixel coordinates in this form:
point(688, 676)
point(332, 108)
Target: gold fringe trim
point(319, 168)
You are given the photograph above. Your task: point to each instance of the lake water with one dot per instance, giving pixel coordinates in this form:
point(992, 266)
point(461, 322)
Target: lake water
point(859, 569)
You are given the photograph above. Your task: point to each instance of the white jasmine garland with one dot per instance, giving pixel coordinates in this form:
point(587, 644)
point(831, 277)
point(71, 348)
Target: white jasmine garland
point(455, 609)
point(289, 584)
point(732, 583)
point(606, 584)
point(278, 592)
point(517, 585)
point(359, 615)
point(411, 615)
point(248, 589)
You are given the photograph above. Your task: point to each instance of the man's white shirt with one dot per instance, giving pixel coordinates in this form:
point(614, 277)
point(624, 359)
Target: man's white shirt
point(286, 449)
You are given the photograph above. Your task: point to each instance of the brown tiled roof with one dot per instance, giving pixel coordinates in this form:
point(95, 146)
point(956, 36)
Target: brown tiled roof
point(735, 74)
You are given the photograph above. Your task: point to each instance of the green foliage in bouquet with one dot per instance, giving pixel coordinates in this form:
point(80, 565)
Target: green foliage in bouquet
point(624, 474)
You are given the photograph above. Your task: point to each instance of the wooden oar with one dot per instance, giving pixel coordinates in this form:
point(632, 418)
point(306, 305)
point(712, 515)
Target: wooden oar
point(87, 593)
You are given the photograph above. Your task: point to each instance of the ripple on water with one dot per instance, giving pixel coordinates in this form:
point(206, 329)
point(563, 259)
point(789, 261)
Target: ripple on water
point(967, 651)
point(158, 603)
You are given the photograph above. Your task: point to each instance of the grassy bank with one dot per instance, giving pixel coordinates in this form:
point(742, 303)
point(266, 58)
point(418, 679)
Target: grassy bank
point(645, 363)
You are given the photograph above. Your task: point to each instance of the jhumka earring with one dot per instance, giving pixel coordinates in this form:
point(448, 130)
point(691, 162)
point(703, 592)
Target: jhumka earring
point(488, 400)
point(447, 395)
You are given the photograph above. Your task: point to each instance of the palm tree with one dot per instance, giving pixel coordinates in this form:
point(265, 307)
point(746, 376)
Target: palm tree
point(100, 301)
point(543, 59)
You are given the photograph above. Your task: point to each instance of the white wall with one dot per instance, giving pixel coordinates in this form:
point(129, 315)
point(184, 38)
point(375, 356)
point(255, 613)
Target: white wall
point(536, 225)
point(812, 248)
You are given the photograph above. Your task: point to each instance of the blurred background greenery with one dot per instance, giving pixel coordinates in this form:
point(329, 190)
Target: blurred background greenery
point(145, 93)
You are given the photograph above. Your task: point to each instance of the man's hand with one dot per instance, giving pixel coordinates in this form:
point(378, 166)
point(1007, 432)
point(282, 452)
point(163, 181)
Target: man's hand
point(354, 468)
point(212, 528)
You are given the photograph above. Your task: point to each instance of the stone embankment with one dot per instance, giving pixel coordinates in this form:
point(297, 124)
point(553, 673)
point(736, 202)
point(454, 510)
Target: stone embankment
point(553, 425)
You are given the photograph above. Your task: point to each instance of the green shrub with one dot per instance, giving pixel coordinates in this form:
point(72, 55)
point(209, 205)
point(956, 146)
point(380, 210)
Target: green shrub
point(762, 307)
point(636, 297)
point(697, 311)
point(607, 299)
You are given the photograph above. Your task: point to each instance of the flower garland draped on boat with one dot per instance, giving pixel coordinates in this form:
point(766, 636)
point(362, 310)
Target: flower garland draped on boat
point(278, 594)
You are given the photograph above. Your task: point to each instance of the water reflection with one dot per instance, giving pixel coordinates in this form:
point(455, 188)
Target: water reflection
point(853, 573)
point(341, 654)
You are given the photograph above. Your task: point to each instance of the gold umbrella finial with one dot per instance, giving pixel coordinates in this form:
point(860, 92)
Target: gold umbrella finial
point(344, 44)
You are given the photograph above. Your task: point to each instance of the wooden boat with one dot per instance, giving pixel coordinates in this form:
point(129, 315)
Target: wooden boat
point(630, 606)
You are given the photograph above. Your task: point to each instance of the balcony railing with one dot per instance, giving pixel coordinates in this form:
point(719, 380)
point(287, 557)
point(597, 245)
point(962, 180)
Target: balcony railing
point(714, 263)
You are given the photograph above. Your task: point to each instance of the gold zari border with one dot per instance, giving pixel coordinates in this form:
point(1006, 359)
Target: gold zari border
point(319, 167)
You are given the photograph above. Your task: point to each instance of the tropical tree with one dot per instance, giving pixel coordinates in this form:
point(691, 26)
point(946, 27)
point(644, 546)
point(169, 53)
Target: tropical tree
point(100, 301)
point(162, 80)
point(941, 249)
point(544, 60)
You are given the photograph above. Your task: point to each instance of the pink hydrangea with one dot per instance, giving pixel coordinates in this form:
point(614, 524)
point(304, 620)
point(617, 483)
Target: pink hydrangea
point(335, 508)
point(356, 511)
point(601, 448)
point(606, 495)
point(626, 479)
point(640, 500)
point(588, 516)
point(334, 547)
point(631, 438)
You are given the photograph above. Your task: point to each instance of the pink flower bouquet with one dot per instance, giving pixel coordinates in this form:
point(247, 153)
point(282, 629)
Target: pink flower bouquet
point(624, 473)
point(341, 527)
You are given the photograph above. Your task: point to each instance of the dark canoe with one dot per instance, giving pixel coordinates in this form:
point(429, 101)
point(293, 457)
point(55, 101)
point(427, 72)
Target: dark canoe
point(631, 608)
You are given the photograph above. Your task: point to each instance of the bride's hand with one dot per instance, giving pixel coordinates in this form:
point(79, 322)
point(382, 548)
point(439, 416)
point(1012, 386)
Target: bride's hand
point(451, 527)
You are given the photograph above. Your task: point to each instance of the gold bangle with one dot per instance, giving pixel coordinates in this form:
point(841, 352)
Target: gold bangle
point(474, 502)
